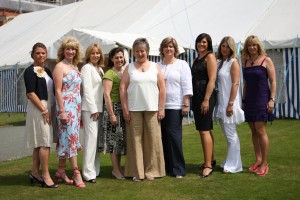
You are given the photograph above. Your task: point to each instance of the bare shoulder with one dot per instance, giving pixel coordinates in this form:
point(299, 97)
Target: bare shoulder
point(211, 56)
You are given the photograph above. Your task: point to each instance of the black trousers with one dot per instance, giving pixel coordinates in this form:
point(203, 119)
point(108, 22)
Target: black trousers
point(171, 129)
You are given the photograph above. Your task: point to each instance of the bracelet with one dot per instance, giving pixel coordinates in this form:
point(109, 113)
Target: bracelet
point(230, 103)
point(272, 99)
point(45, 112)
point(62, 114)
point(160, 108)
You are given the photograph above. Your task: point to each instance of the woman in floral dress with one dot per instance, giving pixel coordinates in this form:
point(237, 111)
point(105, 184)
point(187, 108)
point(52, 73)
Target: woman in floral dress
point(67, 90)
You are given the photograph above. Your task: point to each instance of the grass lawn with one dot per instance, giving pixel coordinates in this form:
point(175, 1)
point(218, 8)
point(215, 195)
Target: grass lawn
point(9, 119)
point(282, 182)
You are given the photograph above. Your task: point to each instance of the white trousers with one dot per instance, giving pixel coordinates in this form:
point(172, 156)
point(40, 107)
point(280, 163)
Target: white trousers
point(91, 157)
point(233, 162)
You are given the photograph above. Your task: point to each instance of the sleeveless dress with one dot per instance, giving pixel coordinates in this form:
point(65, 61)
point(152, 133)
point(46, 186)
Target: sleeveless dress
point(200, 81)
point(224, 82)
point(68, 135)
point(257, 93)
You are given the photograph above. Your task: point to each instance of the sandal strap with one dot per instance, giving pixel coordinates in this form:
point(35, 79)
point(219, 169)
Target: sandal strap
point(204, 167)
point(76, 170)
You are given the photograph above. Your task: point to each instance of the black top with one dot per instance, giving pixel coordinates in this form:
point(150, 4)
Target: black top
point(35, 84)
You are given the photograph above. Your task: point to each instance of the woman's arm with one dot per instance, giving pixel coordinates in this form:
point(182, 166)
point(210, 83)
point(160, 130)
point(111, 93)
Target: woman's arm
point(123, 94)
point(211, 71)
point(272, 78)
point(58, 73)
point(107, 86)
point(235, 80)
point(162, 93)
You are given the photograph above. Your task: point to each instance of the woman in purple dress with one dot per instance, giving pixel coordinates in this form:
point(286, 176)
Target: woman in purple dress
point(258, 99)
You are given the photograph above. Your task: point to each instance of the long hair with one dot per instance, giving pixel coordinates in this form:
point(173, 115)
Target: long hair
point(69, 42)
point(89, 51)
point(252, 39)
point(231, 43)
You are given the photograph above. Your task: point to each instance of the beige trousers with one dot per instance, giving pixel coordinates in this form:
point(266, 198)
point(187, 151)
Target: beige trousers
point(144, 155)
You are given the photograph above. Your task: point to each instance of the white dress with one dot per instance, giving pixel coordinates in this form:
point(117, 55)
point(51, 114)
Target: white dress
point(233, 161)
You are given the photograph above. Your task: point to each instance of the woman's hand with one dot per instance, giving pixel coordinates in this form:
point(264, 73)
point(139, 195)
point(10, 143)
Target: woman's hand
point(126, 116)
point(46, 118)
point(63, 118)
point(95, 116)
point(113, 120)
point(229, 111)
point(184, 110)
point(204, 107)
point(160, 114)
point(270, 106)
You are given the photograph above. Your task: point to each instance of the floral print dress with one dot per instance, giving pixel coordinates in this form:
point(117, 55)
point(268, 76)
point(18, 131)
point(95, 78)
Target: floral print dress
point(68, 135)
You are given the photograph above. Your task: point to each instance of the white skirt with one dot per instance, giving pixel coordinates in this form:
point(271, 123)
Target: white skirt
point(38, 133)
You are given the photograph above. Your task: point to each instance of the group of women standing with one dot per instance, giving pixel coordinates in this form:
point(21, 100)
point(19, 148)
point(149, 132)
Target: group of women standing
point(147, 101)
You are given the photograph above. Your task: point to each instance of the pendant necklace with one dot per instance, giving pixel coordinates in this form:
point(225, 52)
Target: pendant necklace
point(253, 61)
point(166, 72)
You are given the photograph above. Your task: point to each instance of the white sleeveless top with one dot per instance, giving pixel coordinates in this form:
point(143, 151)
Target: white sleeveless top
point(142, 91)
point(224, 86)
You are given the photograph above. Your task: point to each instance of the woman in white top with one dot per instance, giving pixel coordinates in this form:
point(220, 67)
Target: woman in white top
point(228, 109)
point(143, 94)
point(178, 80)
point(91, 107)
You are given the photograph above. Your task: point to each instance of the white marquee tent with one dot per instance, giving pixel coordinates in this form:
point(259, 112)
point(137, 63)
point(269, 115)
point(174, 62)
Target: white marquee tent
point(116, 22)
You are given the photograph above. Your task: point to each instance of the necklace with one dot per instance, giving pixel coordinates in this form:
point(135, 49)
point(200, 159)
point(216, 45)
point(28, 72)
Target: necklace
point(253, 61)
point(70, 64)
point(98, 69)
point(165, 71)
point(118, 72)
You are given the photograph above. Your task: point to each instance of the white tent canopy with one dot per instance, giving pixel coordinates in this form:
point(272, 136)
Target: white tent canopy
point(274, 21)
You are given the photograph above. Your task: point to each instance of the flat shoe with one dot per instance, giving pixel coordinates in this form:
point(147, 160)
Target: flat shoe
point(136, 179)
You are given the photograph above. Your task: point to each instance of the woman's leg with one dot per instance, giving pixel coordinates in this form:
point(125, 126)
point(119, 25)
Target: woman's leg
point(76, 173)
point(263, 142)
point(116, 164)
point(35, 169)
point(207, 146)
point(255, 141)
point(44, 158)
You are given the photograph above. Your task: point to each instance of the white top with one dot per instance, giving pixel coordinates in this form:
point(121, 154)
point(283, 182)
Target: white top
point(224, 86)
point(92, 90)
point(178, 80)
point(142, 91)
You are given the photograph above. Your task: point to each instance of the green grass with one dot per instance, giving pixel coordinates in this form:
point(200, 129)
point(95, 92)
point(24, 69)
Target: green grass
point(9, 119)
point(282, 182)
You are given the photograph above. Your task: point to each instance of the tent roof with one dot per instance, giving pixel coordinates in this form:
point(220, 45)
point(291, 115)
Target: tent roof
point(272, 20)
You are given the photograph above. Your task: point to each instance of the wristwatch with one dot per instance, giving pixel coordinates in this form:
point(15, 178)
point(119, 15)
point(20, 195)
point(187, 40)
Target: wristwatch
point(272, 99)
point(230, 103)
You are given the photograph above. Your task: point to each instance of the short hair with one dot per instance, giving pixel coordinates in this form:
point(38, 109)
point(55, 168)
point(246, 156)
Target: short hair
point(164, 43)
point(231, 43)
point(35, 46)
point(112, 53)
point(69, 42)
point(89, 51)
point(141, 41)
point(252, 39)
point(209, 41)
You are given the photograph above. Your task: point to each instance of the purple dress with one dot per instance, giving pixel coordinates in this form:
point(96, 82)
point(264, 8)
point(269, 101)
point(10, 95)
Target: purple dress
point(257, 94)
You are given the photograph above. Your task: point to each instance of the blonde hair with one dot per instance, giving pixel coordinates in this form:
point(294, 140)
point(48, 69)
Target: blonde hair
point(165, 42)
point(252, 39)
point(231, 43)
point(89, 51)
point(69, 42)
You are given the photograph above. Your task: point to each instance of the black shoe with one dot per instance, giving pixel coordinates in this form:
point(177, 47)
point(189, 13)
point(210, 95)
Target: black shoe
point(213, 164)
point(44, 184)
point(34, 179)
point(91, 181)
point(206, 175)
